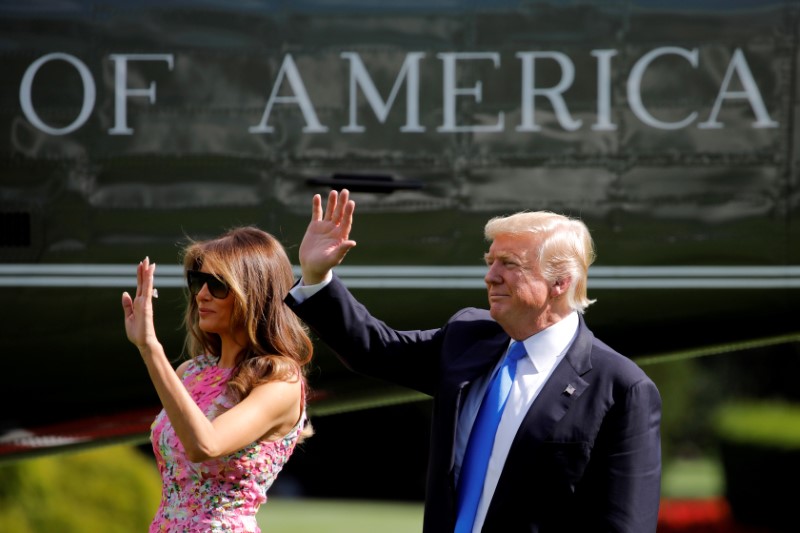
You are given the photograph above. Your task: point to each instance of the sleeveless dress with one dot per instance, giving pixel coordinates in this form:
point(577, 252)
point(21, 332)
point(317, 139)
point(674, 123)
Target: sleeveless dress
point(219, 495)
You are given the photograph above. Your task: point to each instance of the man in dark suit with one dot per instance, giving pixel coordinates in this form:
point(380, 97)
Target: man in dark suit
point(577, 441)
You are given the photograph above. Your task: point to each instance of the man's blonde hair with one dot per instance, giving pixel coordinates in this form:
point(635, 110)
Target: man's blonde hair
point(566, 248)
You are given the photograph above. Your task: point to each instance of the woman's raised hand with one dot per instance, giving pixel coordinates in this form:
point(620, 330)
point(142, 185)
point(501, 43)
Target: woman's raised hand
point(139, 310)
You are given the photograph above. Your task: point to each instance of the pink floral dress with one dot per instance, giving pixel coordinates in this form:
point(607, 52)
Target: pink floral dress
point(219, 495)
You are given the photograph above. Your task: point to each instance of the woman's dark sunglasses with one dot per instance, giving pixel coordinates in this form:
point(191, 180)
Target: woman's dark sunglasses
point(196, 279)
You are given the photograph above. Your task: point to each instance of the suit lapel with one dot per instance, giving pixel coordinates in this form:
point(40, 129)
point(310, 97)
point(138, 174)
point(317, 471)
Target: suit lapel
point(561, 390)
point(559, 393)
point(478, 358)
point(474, 362)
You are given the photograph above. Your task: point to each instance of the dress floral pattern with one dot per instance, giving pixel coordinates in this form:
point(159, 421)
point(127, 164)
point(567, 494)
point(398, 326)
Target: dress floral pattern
point(219, 495)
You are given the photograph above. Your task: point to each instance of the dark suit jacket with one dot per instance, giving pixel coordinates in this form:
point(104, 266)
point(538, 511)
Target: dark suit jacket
point(587, 456)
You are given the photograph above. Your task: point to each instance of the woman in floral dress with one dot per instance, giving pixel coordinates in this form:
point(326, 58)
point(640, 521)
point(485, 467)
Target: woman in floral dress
point(233, 413)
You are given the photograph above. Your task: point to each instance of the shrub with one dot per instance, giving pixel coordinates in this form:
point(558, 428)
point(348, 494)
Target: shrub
point(760, 449)
point(109, 490)
point(774, 424)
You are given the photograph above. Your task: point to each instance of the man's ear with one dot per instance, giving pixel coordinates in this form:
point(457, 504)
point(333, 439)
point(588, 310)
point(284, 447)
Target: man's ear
point(560, 287)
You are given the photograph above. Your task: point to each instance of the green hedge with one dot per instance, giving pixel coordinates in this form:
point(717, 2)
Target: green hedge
point(764, 423)
point(110, 490)
point(760, 451)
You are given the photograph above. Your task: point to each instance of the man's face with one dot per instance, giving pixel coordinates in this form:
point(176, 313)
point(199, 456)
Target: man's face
point(518, 295)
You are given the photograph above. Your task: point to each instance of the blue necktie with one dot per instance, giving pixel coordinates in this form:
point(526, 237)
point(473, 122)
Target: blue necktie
point(481, 439)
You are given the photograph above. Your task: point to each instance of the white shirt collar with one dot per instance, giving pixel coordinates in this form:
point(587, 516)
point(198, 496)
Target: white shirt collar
point(545, 347)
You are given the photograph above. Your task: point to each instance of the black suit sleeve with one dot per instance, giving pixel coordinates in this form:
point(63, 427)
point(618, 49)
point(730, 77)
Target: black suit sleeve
point(627, 463)
point(367, 345)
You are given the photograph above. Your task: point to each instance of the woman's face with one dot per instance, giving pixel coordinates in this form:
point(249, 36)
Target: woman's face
point(214, 314)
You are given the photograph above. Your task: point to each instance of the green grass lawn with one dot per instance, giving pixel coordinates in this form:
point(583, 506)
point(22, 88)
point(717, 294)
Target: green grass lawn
point(699, 478)
point(299, 515)
point(73, 492)
point(692, 478)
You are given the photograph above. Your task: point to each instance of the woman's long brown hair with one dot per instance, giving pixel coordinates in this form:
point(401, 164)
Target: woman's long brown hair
point(256, 268)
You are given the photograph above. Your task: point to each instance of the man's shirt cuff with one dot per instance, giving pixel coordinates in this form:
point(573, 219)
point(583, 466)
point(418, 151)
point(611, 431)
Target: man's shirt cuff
point(302, 292)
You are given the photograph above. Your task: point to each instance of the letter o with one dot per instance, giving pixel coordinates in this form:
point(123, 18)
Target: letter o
point(88, 93)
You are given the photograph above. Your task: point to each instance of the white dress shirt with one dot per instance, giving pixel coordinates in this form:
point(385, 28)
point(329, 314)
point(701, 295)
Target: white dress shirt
point(545, 350)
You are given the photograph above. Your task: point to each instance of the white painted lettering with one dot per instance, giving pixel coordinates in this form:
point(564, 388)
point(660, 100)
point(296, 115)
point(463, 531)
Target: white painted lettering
point(635, 87)
point(288, 89)
point(359, 77)
point(300, 98)
point(122, 91)
point(751, 93)
point(26, 100)
point(554, 94)
point(604, 122)
point(451, 92)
